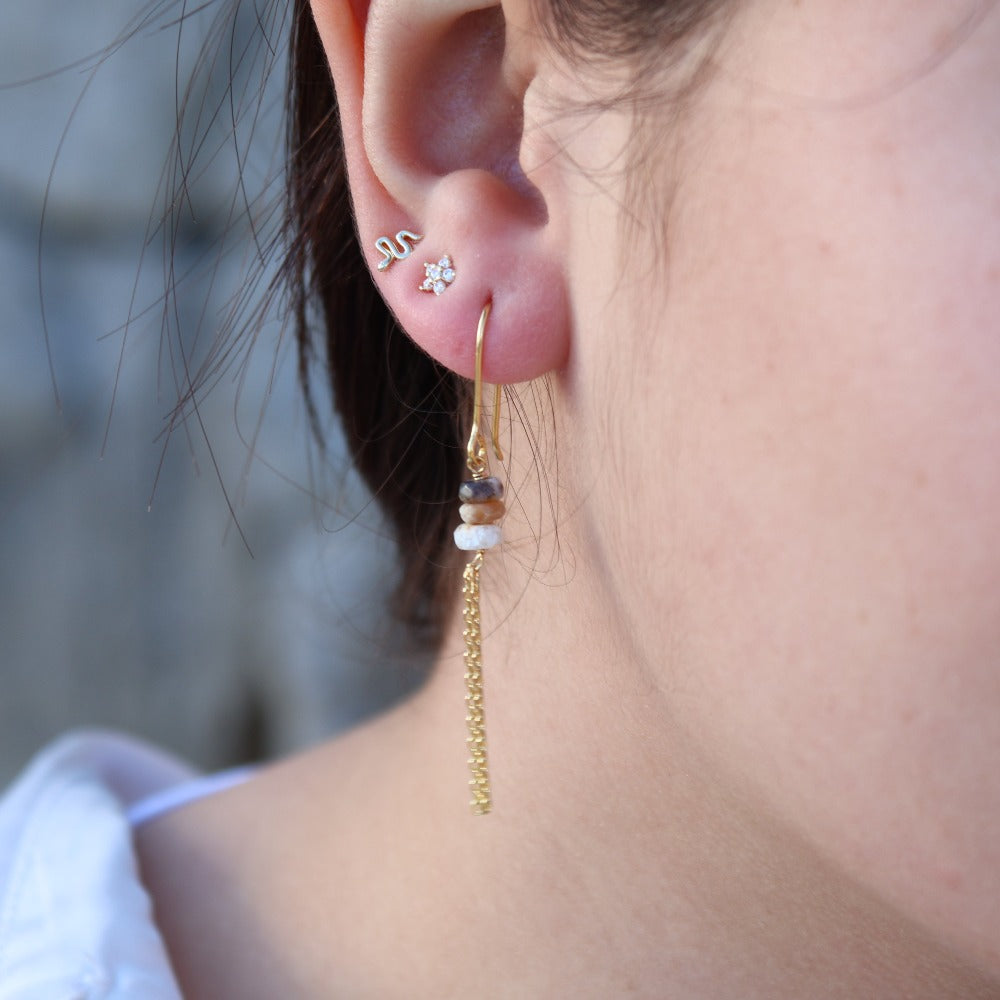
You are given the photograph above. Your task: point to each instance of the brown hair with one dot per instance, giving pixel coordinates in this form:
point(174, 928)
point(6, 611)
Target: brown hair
point(398, 406)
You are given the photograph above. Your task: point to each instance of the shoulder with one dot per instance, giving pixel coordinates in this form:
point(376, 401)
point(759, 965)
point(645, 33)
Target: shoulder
point(75, 919)
point(289, 884)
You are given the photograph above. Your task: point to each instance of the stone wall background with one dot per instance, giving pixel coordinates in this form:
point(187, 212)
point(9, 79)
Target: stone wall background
point(160, 622)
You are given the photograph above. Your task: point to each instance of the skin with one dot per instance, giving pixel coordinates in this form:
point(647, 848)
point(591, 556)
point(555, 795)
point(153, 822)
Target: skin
point(744, 710)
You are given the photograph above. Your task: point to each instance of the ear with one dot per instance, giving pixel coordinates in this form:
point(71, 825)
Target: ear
point(432, 114)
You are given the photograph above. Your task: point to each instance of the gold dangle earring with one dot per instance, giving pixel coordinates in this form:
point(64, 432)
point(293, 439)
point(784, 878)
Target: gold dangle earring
point(482, 507)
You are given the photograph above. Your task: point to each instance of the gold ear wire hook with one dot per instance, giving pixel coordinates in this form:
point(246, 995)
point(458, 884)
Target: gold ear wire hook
point(476, 449)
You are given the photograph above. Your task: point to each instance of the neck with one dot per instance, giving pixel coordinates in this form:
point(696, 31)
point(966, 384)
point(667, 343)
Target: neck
point(617, 845)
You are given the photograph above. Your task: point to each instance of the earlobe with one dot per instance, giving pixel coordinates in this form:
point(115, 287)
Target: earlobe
point(432, 131)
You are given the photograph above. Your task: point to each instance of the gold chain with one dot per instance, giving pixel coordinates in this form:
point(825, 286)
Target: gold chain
point(479, 781)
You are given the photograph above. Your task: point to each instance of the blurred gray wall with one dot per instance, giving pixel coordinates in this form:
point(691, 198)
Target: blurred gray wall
point(164, 622)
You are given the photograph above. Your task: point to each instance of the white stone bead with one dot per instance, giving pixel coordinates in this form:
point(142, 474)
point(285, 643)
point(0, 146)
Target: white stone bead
point(475, 537)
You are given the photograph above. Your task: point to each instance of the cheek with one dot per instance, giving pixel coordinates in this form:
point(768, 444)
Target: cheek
point(827, 456)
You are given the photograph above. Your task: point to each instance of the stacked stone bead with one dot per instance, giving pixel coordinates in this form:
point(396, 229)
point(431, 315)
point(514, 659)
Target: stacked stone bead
point(482, 507)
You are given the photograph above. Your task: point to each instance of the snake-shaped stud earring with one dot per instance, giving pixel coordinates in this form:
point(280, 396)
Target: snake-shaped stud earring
point(399, 250)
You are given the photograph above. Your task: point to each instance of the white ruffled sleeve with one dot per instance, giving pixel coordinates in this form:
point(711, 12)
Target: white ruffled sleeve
point(75, 920)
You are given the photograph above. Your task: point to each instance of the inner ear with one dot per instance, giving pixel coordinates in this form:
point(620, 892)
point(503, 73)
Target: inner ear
point(447, 103)
point(472, 120)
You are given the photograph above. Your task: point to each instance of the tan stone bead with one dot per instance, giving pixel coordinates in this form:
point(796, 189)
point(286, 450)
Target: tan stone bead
point(487, 512)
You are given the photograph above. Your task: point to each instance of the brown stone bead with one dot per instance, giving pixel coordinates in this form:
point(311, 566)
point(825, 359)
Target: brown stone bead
point(487, 512)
